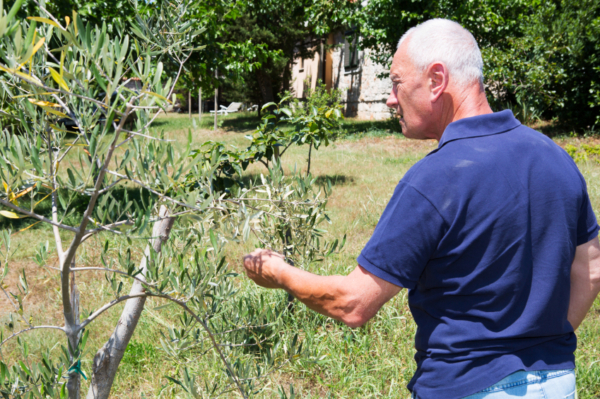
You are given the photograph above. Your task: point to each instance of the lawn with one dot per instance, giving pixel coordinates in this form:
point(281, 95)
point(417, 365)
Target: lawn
point(364, 166)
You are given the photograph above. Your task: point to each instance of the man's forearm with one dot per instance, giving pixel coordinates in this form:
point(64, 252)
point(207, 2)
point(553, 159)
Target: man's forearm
point(327, 295)
point(352, 299)
point(585, 281)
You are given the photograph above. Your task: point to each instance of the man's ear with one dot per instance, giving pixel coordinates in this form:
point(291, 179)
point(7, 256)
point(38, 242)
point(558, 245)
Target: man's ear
point(437, 74)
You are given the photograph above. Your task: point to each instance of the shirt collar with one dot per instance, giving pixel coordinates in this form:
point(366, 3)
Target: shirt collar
point(480, 125)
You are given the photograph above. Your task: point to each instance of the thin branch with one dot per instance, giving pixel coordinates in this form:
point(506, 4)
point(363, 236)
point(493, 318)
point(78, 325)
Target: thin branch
point(183, 204)
point(266, 244)
point(53, 172)
point(108, 305)
point(146, 136)
point(69, 148)
point(285, 149)
point(110, 226)
point(273, 200)
point(29, 329)
point(36, 216)
point(170, 91)
point(110, 186)
point(125, 141)
point(246, 345)
point(50, 15)
point(163, 196)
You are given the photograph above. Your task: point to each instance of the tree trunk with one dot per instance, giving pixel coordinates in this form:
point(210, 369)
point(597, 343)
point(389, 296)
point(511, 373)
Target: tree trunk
point(265, 86)
point(216, 97)
point(106, 361)
point(74, 382)
point(309, 152)
point(287, 75)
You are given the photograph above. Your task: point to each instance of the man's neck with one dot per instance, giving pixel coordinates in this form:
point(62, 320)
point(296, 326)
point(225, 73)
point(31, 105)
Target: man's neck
point(463, 104)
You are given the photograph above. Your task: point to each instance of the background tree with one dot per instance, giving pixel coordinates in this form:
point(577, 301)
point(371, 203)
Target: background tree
point(539, 57)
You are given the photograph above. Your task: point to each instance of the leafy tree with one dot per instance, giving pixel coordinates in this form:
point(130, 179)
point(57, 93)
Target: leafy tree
point(280, 31)
point(109, 148)
point(112, 12)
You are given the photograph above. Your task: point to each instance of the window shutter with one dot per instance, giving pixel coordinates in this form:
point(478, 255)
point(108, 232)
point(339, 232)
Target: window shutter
point(354, 51)
point(347, 55)
point(351, 50)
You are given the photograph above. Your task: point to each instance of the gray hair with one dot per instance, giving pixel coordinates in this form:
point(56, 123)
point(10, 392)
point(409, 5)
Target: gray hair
point(442, 40)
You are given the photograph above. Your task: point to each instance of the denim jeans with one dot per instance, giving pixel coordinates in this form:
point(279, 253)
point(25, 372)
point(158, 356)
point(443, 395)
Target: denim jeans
point(548, 384)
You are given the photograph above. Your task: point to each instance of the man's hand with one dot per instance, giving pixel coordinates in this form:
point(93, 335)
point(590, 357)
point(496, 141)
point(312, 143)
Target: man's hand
point(264, 267)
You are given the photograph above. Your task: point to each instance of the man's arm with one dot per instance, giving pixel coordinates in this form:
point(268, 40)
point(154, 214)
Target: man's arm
point(352, 299)
point(585, 281)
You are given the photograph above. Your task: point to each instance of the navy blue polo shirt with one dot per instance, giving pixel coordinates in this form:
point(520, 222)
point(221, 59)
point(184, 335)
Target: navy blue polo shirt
point(483, 232)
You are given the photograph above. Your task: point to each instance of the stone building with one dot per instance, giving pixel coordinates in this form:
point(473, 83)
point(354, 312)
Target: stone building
point(346, 68)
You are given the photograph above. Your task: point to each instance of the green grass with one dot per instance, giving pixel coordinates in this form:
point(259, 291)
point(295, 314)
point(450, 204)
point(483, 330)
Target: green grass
point(374, 361)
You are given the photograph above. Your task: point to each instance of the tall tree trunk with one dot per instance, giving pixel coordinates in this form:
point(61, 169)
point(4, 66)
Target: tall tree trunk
point(106, 361)
point(265, 86)
point(216, 97)
point(287, 75)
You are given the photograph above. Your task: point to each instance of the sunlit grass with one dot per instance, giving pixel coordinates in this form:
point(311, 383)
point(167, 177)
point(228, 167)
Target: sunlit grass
point(374, 361)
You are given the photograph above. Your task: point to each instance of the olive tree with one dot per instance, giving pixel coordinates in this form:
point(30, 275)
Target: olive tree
point(79, 132)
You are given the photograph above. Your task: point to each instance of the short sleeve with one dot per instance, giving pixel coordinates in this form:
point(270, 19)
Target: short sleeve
point(405, 238)
point(587, 226)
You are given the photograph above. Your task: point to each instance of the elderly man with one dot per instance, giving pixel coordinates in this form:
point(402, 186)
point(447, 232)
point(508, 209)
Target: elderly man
point(492, 233)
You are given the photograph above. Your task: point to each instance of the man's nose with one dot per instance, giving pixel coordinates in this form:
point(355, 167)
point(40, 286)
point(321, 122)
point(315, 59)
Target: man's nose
point(392, 101)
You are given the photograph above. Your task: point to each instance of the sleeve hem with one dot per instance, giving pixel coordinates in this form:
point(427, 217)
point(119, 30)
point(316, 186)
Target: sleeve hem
point(382, 274)
point(591, 234)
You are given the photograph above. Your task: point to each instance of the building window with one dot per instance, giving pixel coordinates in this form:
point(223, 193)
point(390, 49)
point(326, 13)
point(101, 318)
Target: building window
point(301, 65)
point(351, 50)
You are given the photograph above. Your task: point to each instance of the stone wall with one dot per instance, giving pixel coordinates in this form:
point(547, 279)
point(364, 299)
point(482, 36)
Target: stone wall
point(364, 94)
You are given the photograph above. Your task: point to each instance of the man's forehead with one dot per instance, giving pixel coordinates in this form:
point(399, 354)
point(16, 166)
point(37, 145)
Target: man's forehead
point(397, 68)
point(400, 59)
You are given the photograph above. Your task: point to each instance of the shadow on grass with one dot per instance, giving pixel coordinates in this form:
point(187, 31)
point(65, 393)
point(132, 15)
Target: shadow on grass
point(336, 180)
point(76, 205)
point(249, 179)
point(236, 123)
point(248, 121)
point(241, 124)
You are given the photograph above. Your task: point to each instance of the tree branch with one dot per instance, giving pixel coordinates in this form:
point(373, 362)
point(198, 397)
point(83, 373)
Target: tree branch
point(36, 216)
point(110, 186)
point(108, 305)
point(107, 227)
point(70, 322)
point(161, 195)
point(57, 239)
point(29, 329)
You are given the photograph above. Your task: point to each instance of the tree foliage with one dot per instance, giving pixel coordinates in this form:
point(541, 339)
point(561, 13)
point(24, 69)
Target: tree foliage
point(129, 177)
